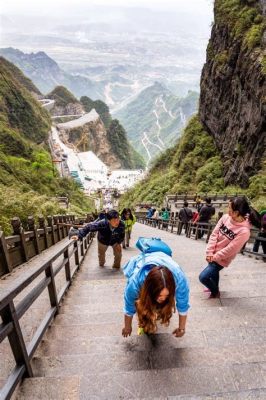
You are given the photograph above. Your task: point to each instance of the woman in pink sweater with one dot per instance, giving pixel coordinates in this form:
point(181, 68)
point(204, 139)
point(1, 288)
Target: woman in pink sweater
point(227, 239)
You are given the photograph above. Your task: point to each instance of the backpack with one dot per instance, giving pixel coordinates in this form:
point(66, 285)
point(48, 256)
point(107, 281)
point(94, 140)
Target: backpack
point(150, 245)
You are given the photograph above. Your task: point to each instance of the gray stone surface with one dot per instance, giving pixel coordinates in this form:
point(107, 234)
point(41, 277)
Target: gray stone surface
point(50, 389)
point(222, 355)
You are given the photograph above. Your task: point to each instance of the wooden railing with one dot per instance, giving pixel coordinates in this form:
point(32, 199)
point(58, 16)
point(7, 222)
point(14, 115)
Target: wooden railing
point(42, 271)
point(29, 241)
point(192, 196)
point(198, 230)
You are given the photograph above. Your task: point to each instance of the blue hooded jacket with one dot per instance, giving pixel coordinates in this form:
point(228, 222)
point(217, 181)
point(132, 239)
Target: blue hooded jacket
point(137, 269)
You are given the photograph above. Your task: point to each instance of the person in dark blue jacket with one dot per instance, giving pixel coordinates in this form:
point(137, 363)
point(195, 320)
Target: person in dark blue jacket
point(111, 232)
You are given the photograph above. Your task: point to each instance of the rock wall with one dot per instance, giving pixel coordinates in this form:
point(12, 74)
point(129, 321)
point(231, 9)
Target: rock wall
point(91, 136)
point(69, 109)
point(233, 102)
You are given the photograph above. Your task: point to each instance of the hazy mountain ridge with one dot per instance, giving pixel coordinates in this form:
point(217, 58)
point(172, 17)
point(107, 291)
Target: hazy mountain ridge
point(46, 74)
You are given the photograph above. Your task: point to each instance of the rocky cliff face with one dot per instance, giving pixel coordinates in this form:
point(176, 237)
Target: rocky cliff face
point(233, 88)
point(68, 109)
point(90, 135)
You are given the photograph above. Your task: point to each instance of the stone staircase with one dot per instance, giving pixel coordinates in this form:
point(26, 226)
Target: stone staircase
point(222, 355)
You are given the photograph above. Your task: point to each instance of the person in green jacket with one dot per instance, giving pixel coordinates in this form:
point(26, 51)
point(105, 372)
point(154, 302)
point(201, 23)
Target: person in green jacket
point(165, 215)
point(129, 220)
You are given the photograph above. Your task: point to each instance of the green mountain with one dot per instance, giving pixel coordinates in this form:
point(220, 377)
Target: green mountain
point(28, 180)
point(100, 107)
point(222, 148)
point(155, 119)
point(62, 96)
point(20, 77)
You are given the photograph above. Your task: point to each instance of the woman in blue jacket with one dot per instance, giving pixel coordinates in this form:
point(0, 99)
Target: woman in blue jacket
point(156, 286)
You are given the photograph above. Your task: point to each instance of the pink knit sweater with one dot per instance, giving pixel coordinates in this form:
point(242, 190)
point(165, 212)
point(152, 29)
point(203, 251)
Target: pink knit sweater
point(227, 239)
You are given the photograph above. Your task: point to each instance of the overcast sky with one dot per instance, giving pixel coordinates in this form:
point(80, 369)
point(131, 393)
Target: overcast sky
point(37, 7)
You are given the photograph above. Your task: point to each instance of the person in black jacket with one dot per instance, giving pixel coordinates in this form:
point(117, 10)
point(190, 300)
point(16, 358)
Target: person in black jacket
point(111, 232)
point(185, 216)
point(205, 214)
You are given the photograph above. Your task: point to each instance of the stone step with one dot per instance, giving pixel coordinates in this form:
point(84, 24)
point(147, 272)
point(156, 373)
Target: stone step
point(166, 348)
point(152, 383)
point(49, 389)
point(229, 276)
point(63, 388)
point(220, 317)
point(84, 304)
point(253, 394)
point(227, 288)
point(89, 360)
point(86, 330)
point(192, 338)
point(80, 343)
point(254, 275)
point(107, 274)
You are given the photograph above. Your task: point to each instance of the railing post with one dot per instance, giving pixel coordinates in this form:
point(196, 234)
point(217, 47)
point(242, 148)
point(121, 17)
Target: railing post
point(7, 267)
point(51, 224)
point(64, 220)
point(76, 250)
point(32, 227)
point(61, 227)
point(42, 225)
point(18, 230)
point(82, 248)
point(67, 265)
point(51, 287)
point(15, 338)
point(57, 227)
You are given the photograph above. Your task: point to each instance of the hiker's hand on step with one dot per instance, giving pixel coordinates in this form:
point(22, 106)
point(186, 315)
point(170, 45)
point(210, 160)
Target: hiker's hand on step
point(179, 332)
point(126, 331)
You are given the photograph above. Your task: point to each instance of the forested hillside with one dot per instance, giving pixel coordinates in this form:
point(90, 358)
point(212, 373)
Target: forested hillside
point(28, 179)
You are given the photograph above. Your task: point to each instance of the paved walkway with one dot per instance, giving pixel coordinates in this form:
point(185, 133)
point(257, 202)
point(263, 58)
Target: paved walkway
point(222, 355)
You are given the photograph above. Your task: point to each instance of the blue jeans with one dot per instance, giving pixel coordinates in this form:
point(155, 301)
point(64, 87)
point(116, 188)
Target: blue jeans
point(209, 277)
